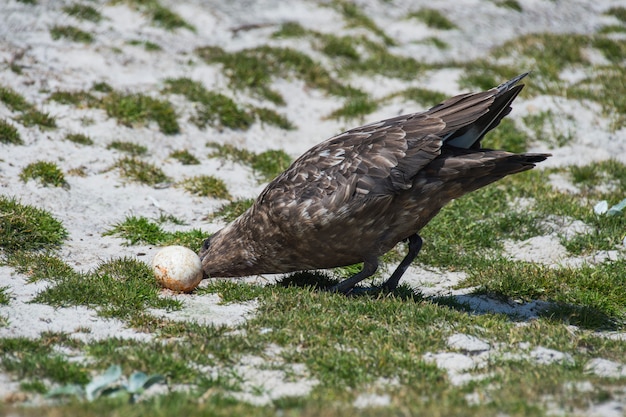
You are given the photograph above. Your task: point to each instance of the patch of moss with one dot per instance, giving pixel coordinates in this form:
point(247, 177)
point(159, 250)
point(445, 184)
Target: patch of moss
point(206, 186)
point(433, 19)
point(133, 149)
point(47, 173)
point(140, 171)
point(24, 227)
point(185, 157)
point(71, 33)
point(9, 134)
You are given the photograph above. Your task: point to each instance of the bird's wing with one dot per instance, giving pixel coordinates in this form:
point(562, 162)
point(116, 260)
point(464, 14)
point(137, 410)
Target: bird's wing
point(378, 159)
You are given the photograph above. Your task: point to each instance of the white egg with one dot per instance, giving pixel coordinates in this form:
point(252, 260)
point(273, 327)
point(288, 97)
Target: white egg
point(177, 268)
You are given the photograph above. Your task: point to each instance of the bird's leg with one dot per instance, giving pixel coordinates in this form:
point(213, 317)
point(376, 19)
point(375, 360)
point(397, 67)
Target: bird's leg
point(415, 244)
point(346, 286)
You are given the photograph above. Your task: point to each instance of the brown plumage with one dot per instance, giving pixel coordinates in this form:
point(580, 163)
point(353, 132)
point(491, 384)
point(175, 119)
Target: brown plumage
point(353, 197)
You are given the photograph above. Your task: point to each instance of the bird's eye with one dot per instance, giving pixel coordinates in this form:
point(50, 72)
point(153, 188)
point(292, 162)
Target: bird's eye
point(206, 244)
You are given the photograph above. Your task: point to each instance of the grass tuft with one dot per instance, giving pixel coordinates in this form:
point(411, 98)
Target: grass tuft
point(355, 17)
point(83, 12)
point(433, 19)
point(138, 230)
point(122, 288)
point(140, 171)
point(254, 69)
point(206, 186)
point(266, 164)
point(79, 138)
point(230, 211)
point(9, 134)
point(132, 109)
point(133, 149)
point(71, 33)
point(24, 227)
point(185, 157)
point(47, 173)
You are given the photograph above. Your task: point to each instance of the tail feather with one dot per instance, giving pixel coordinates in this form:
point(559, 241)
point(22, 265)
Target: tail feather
point(502, 96)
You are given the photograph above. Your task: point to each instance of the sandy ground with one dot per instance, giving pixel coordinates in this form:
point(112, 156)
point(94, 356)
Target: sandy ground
point(95, 202)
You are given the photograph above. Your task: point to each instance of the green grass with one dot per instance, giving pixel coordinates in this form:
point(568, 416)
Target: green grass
point(71, 33)
point(355, 17)
point(159, 15)
point(290, 30)
point(76, 98)
point(254, 69)
point(140, 171)
point(230, 211)
point(24, 227)
point(433, 18)
point(185, 157)
point(619, 12)
point(136, 109)
point(356, 107)
point(5, 296)
point(83, 12)
point(122, 288)
point(13, 100)
point(510, 4)
point(206, 186)
point(545, 129)
point(47, 173)
point(38, 266)
point(37, 118)
point(266, 164)
point(215, 109)
point(9, 134)
point(147, 45)
point(142, 230)
point(130, 148)
point(79, 138)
